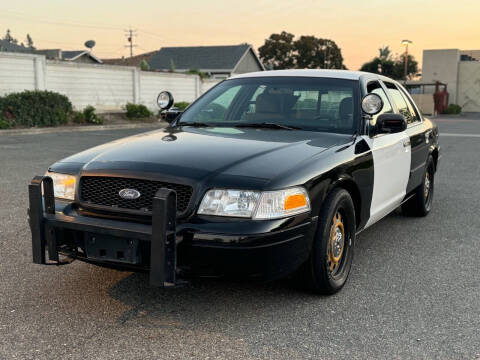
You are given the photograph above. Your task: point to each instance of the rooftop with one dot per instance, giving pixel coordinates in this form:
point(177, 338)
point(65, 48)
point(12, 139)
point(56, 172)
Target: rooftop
point(324, 73)
point(203, 58)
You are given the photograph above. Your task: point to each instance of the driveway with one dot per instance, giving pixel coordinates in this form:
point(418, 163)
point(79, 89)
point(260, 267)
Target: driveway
point(414, 289)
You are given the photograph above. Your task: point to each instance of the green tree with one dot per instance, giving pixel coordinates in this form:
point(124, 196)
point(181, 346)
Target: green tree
point(399, 67)
point(277, 52)
point(385, 53)
point(8, 37)
point(316, 53)
point(29, 42)
point(144, 65)
point(386, 65)
point(281, 51)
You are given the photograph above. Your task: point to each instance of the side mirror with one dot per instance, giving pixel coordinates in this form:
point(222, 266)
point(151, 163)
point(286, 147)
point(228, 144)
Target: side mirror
point(165, 100)
point(389, 123)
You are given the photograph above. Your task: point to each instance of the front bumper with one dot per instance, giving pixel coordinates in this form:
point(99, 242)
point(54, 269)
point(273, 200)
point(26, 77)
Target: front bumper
point(204, 245)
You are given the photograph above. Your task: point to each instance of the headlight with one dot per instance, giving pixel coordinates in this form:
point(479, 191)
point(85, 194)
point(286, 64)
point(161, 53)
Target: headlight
point(282, 203)
point(63, 185)
point(256, 205)
point(235, 203)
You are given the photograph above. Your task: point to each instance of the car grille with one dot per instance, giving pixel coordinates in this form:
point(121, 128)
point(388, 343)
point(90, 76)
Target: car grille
point(103, 191)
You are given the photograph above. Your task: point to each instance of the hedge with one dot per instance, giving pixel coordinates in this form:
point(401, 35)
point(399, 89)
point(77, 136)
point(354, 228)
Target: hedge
point(453, 109)
point(135, 111)
point(34, 108)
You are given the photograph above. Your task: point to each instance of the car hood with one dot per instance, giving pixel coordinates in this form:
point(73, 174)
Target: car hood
point(199, 154)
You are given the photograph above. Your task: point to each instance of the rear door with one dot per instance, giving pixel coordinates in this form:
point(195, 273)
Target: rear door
point(419, 138)
point(391, 160)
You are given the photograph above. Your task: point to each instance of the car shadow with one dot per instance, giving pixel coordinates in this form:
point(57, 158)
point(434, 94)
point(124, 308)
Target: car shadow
point(217, 304)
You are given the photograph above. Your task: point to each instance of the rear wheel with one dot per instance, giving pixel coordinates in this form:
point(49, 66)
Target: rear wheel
point(328, 267)
point(421, 202)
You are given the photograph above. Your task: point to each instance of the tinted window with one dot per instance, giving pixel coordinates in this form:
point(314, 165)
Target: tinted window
point(411, 107)
point(316, 104)
point(402, 104)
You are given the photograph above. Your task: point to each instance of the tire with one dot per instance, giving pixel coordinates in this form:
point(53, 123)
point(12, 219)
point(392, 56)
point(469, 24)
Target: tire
point(421, 202)
point(327, 269)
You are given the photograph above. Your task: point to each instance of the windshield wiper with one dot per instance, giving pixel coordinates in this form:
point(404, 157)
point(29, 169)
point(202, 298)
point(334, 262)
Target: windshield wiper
point(194, 124)
point(268, 125)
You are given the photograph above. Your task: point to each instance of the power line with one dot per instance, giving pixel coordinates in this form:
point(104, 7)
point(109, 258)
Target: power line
point(53, 22)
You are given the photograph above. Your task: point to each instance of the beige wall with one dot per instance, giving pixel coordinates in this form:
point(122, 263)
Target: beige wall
point(425, 103)
point(106, 87)
point(442, 65)
point(469, 86)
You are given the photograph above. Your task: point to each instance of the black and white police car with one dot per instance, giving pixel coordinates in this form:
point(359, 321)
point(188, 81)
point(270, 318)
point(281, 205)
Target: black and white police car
point(267, 174)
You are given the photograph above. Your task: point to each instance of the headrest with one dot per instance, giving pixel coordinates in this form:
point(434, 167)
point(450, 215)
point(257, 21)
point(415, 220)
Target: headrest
point(346, 108)
point(267, 103)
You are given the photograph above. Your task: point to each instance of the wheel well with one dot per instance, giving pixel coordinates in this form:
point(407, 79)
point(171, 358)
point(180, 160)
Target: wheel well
point(435, 157)
point(352, 189)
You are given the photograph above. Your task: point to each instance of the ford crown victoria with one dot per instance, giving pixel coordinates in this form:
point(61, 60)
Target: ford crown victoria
point(268, 174)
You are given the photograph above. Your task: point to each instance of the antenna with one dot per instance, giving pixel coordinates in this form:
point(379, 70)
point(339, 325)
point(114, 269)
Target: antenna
point(90, 44)
point(130, 34)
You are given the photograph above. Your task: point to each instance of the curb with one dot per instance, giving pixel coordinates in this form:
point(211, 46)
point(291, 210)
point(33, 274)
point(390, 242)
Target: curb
point(35, 131)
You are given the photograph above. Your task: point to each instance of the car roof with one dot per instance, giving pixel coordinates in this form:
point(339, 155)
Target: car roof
point(323, 73)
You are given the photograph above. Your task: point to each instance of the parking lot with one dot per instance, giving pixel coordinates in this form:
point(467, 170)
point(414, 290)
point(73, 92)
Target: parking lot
point(414, 289)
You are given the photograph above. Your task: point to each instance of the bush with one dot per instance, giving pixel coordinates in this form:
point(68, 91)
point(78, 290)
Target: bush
point(4, 124)
point(136, 111)
point(35, 108)
point(87, 116)
point(78, 117)
point(182, 105)
point(453, 109)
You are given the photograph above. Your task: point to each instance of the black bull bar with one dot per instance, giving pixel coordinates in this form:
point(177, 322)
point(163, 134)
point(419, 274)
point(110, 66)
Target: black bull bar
point(162, 234)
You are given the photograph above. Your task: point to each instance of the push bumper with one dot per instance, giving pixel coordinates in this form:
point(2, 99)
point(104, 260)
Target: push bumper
point(270, 248)
point(45, 222)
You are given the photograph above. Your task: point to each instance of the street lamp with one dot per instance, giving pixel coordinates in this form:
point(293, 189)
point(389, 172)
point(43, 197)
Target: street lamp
point(406, 43)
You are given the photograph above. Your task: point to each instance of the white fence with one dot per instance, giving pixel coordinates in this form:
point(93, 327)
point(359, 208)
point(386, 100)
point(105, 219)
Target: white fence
point(106, 87)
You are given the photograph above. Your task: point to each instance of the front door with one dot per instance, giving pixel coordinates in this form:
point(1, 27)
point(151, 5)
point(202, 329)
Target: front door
point(391, 169)
point(391, 163)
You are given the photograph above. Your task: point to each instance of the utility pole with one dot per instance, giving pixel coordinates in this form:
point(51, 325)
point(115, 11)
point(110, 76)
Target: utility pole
point(406, 43)
point(130, 34)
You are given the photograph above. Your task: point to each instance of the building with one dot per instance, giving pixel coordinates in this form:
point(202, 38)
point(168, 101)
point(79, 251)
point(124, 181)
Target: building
point(79, 56)
point(460, 70)
point(12, 47)
point(131, 61)
point(219, 62)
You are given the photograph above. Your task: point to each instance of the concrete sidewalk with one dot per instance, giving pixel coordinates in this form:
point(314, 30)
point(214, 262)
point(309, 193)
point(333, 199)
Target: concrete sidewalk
point(64, 129)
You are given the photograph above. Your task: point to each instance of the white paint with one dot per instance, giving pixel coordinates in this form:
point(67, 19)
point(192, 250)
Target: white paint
point(391, 161)
point(337, 74)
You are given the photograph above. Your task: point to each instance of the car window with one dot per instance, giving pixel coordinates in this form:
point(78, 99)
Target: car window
point(317, 104)
point(403, 106)
point(217, 108)
point(411, 107)
point(374, 87)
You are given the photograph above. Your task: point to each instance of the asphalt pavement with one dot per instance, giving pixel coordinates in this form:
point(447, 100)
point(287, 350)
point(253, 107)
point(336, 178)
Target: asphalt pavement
point(413, 293)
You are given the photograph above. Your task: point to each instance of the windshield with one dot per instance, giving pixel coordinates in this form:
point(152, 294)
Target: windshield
point(307, 103)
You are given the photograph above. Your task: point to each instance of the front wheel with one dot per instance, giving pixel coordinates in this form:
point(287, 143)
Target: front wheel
point(421, 202)
point(329, 264)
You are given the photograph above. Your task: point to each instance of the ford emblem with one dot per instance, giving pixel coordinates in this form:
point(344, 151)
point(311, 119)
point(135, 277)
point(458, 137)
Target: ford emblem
point(129, 194)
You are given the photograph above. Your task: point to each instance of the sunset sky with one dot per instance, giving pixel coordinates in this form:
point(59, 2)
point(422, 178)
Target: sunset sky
point(359, 27)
